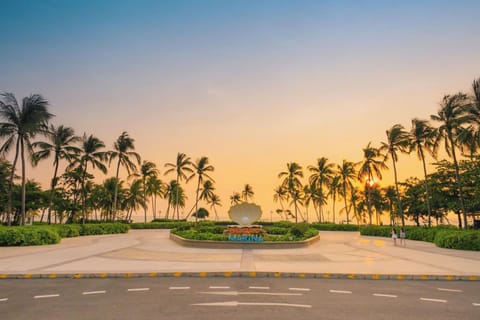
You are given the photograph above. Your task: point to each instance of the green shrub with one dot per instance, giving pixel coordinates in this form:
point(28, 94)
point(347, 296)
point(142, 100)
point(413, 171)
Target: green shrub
point(276, 230)
point(68, 230)
point(103, 228)
point(28, 236)
point(376, 231)
point(335, 227)
point(456, 239)
point(161, 225)
point(298, 230)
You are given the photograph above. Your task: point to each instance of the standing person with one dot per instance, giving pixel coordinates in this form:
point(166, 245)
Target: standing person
point(402, 236)
point(394, 236)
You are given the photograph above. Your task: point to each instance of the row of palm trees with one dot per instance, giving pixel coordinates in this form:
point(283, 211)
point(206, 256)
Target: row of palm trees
point(458, 130)
point(22, 123)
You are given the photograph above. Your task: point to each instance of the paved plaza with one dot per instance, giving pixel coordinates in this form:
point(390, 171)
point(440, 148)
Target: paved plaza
point(144, 251)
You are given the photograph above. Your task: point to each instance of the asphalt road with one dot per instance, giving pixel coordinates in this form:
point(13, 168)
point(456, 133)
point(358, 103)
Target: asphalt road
point(237, 298)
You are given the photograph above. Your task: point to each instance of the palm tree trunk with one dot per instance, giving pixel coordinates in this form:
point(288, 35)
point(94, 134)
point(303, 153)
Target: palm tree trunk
point(457, 178)
point(427, 194)
point(22, 150)
point(399, 202)
point(196, 199)
point(84, 194)
point(10, 185)
point(145, 200)
point(347, 210)
point(176, 201)
point(369, 205)
point(52, 191)
point(115, 194)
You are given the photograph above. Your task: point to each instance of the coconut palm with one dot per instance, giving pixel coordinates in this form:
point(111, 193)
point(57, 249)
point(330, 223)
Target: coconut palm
point(175, 195)
point(214, 201)
point(348, 175)
point(207, 191)
point(148, 169)
point(60, 145)
point(291, 181)
point(155, 188)
point(123, 150)
point(280, 194)
point(20, 124)
point(370, 168)
point(474, 107)
point(90, 153)
point(335, 186)
point(451, 116)
point(398, 140)
point(201, 168)
point(321, 176)
point(235, 198)
point(247, 192)
point(468, 139)
point(423, 138)
point(135, 198)
point(182, 167)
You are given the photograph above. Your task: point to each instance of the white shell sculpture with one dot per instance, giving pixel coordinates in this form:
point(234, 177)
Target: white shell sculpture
point(245, 213)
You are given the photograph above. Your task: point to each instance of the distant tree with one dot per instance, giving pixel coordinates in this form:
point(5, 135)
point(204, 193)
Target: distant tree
point(291, 181)
point(247, 192)
point(183, 170)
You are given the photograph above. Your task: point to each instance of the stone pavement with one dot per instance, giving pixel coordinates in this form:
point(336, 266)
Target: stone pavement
point(147, 251)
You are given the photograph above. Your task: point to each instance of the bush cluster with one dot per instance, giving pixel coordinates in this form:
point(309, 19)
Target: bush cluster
point(443, 236)
point(335, 227)
point(161, 225)
point(51, 234)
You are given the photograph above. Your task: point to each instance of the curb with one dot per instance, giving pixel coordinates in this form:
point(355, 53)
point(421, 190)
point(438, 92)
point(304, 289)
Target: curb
point(241, 274)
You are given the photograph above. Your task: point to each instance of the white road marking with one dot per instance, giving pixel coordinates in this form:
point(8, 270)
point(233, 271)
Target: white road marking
point(3, 299)
point(46, 296)
point(138, 289)
point(94, 292)
point(236, 293)
point(219, 287)
point(433, 300)
point(236, 304)
point(299, 289)
point(340, 291)
point(449, 290)
point(476, 304)
point(385, 295)
point(179, 288)
point(259, 288)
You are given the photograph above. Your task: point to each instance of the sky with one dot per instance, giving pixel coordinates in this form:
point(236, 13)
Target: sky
point(252, 85)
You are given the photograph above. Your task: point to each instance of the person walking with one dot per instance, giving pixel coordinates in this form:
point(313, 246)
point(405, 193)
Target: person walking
point(402, 236)
point(394, 236)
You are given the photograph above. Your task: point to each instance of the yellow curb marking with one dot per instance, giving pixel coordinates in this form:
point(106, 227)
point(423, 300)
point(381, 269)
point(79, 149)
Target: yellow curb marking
point(3, 276)
point(326, 275)
point(277, 274)
point(473, 278)
point(400, 277)
point(152, 274)
point(103, 275)
point(177, 274)
point(203, 274)
point(449, 278)
point(252, 274)
point(78, 275)
point(301, 275)
point(127, 275)
point(227, 274)
point(27, 276)
point(52, 276)
point(351, 276)
point(424, 277)
point(375, 276)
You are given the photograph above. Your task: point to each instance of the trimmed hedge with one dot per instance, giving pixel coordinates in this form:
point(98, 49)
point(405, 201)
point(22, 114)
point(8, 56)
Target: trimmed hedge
point(160, 225)
point(51, 234)
point(443, 236)
point(335, 227)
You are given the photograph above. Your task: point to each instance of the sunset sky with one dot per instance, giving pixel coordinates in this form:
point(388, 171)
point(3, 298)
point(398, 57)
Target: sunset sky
point(250, 84)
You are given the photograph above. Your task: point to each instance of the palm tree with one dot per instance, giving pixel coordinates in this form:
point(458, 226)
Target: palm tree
point(202, 167)
point(176, 195)
point(291, 181)
point(474, 107)
point(397, 140)
point(183, 171)
point(122, 148)
point(423, 138)
point(468, 141)
point(348, 175)
point(20, 126)
point(148, 169)
point(280, 194)
point(135, 198)
point(452, 115)
point(60, 144)
point(247, 192)
point(370, 168)
point(321, 176)
point(390, 195)
point(89, 153)
point(214, 201)
point(155, 188)
point(335, 186)
point(235, 198)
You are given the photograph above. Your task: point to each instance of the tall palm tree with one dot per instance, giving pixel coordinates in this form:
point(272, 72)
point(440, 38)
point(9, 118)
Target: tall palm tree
point(201, 168)
point(291, 181)
point(89, 153)
point(423, 138)
point(451, 116)
point(348, 175)
point(321, 176)
point(474, 107)
point(370, 168)
point(148, 169)
point(468, 140)
point(235, 198)
point(122, 150)
point(214, 201)
point(335, 186)
point(398, 140)
point(134, 198)
point(155, 188)
point(182, 167)
point(60, 144)
point(280, 194)
point(247, 192)
point(20, 124)
point(176, 195)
